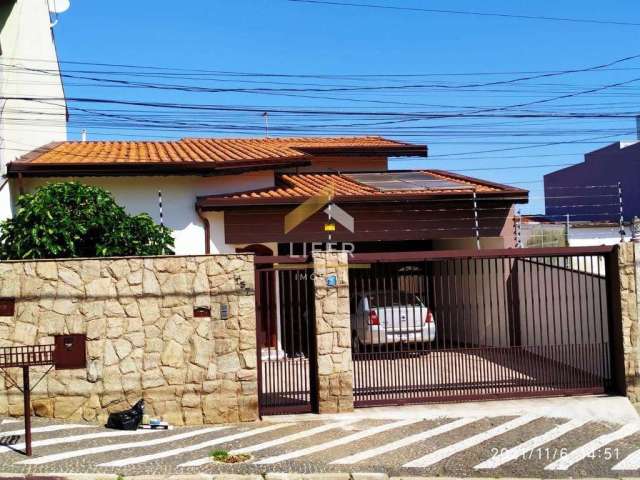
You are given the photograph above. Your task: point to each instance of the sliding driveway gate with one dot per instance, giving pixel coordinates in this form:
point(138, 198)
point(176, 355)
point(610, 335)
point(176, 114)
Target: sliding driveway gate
point(285, 321)
point(438, 326)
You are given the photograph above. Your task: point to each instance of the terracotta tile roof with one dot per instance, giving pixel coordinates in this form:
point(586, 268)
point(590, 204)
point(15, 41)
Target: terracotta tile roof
point(297, 187)
point(180, 151)
point(210, 151)
point(309, 143)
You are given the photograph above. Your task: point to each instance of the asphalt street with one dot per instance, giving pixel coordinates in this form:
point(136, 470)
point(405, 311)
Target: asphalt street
point(526, 445)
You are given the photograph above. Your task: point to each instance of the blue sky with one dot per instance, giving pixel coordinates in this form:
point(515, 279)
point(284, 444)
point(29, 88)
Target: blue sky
point(278, 36)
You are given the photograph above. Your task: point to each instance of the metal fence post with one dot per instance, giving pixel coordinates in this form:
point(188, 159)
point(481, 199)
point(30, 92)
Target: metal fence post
point(635, 235)
point(475, 220)
point(26, 395)
point(621, 219)
point(519, 229)
point(614, 309)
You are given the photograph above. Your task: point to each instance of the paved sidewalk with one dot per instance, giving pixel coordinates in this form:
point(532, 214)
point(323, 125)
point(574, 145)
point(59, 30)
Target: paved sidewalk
point(591, 407)
point(529, 445)
point(268, 476)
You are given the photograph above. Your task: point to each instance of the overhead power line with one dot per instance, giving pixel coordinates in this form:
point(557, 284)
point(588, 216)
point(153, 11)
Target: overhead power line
point(197, 73)
point(346, 88)
point(581, 140)
point(472, 13)
point(483, 113)
point(604, 112)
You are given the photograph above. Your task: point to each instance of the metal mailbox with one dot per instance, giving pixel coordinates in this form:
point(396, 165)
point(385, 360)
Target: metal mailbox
point(7, 307)
point(201, 312)
point(70, 351)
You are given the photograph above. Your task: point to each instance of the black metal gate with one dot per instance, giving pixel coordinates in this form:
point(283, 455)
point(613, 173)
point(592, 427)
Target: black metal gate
point(285, 337)
point(442, 326)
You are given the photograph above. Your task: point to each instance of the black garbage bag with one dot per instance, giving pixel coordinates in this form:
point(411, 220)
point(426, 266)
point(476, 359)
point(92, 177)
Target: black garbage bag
point(128, 419)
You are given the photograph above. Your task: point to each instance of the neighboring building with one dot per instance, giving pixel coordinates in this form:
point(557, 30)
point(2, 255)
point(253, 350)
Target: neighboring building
point(538, 232)
point(223, 195)
point(584, 234)
point(588, 191)
point(28, 70)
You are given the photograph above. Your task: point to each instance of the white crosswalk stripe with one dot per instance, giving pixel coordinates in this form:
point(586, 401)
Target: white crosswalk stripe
point(121, 446)
point(192, 448)
point(521, 450)
point(337, 442)
point(48, 428)
point(439, 455)
point(587, 449)
point(403, 442)
point(73, 438)
point(274, 443)
point(632, 462)
point(281, 441)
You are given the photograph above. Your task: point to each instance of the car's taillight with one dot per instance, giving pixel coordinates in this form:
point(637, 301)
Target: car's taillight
point(373, 318)
point(428, 318)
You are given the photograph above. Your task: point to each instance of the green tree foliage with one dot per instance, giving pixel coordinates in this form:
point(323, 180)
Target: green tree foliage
point(69, 219)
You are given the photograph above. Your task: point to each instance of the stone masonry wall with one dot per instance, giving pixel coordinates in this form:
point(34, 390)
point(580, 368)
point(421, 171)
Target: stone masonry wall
point(630, 322)
point(635, 389)
point(143, 340)
point(333, 330)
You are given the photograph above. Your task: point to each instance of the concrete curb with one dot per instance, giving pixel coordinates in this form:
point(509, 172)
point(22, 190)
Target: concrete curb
point(267, 476)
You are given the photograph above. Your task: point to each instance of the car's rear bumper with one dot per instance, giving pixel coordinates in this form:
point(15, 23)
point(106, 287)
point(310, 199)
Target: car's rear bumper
point(376, 335)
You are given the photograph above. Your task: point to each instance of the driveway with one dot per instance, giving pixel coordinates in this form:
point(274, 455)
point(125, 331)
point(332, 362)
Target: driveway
point(547, 440)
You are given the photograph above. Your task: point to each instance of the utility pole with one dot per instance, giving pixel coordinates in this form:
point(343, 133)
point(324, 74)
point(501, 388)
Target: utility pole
point(265, 115)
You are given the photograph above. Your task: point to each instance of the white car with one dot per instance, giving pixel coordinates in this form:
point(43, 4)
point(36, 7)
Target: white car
point(389, 319)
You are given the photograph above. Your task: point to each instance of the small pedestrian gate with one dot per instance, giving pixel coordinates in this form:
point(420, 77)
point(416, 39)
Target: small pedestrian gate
point(286, 343)
point(441, 326)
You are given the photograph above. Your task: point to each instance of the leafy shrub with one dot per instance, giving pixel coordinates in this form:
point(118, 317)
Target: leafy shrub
point(69, 219)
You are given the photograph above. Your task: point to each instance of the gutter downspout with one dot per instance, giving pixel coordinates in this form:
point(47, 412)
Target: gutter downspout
point(207, 231)
point(20, 184)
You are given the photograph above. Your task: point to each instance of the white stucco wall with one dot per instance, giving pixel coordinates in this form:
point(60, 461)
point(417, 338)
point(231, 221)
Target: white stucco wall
point(27, 42)
point(217, 243)
point(140, 194)
point(579, 236)
point(593, 236)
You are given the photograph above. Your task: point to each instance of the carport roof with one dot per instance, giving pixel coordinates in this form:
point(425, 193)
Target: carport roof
point(293, 188)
